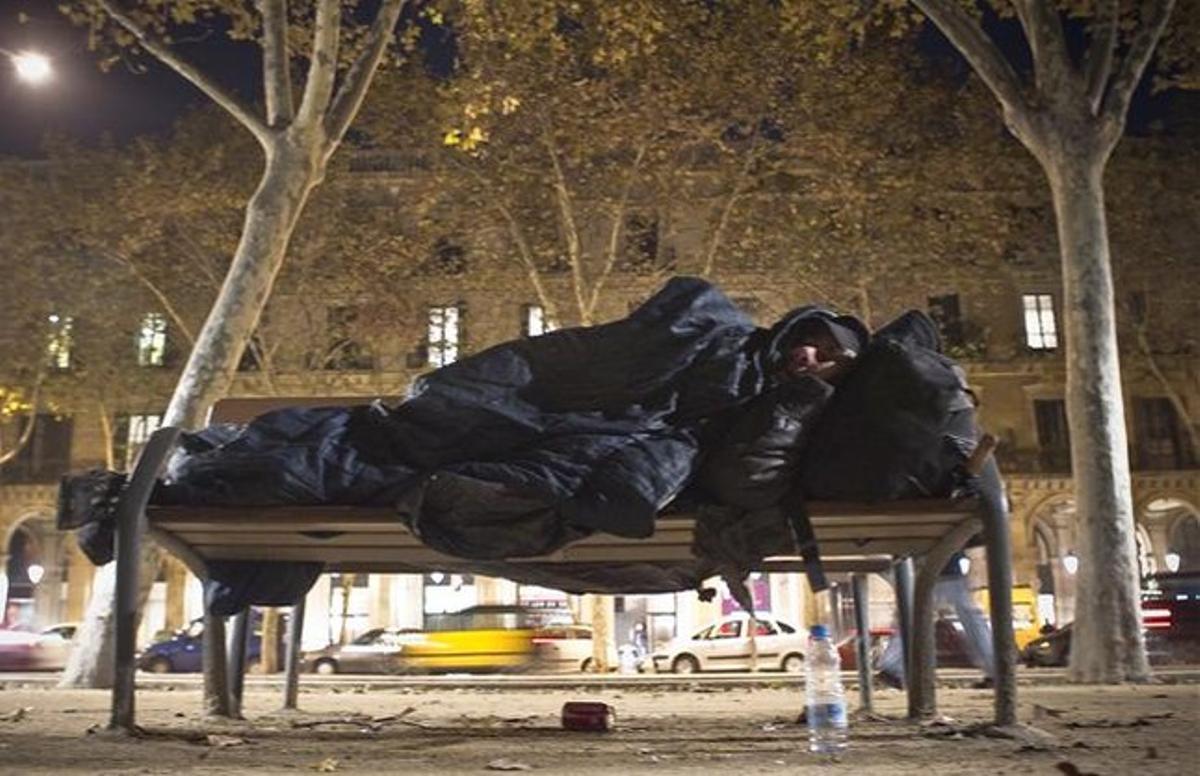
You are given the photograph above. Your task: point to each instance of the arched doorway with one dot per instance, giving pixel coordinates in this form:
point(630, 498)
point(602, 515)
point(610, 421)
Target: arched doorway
point(1146, 563)
point(34, 572)
point(1052, 541)
point(1047, 586)
point(1173, 524)
point(1183, 544)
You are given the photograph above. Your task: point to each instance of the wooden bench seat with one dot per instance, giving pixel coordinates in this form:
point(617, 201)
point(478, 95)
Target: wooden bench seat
point(366, 539)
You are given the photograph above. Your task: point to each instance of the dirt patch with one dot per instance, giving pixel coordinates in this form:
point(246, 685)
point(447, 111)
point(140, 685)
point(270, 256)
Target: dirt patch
point(1098, 730)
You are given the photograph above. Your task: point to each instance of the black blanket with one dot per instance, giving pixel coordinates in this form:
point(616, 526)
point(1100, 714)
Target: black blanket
point(511, 452)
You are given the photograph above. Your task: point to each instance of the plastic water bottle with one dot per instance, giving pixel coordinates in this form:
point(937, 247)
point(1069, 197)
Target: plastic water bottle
point(826, 700)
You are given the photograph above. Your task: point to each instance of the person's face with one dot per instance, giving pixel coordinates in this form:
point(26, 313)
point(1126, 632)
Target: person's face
point(818, 353)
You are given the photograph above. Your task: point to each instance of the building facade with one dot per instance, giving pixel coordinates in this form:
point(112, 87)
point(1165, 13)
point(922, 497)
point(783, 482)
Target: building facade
point(1000, 317)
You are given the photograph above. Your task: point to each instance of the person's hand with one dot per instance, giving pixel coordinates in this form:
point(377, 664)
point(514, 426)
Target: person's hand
point(834, 370)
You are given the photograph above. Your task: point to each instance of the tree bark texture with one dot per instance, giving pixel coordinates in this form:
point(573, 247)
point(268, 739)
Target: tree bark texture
point(291, 172)
point(1107, 645)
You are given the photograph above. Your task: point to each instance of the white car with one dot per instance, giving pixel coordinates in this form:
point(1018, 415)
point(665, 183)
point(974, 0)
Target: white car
point(725, 646)
point(567, 648)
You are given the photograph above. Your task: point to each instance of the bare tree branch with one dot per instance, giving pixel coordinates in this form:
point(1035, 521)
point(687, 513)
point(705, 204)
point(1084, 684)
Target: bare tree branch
point(277, 78)
point(27, 432)
point(1051, 62)
point(1098, 60)
point(518, 237)
point(614, 237)
point(566, 213)
point(217, 93)
point(978, 49)
point(322, 63)
point(358, 78)
point(710, 258)
point(157, 292)
point(1116, 101)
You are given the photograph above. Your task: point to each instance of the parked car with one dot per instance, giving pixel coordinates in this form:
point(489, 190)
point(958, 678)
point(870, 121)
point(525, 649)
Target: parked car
point(183, 650)
point(1172, 629)
point(1051, 649)
point(378, 651)
point(30, 650)
point(566, 648)
point(725, 646)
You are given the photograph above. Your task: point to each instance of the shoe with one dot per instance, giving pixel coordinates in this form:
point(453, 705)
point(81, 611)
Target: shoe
point(887, 680)
point(89, 497)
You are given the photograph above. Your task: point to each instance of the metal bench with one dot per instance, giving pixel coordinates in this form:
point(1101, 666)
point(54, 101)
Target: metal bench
point(857, 538)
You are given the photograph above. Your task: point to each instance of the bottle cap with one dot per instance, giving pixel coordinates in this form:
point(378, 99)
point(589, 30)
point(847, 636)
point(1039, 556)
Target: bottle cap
point(819, 631)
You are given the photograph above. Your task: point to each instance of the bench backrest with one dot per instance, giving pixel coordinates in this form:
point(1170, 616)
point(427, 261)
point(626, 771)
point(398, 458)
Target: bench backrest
point(243, 410)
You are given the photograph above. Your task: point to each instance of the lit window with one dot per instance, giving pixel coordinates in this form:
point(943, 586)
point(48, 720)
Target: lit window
point(443, 334)
point(1041, 332)
point(58, 348)
point(152, 340)
point(534, 321)
point(137, 432)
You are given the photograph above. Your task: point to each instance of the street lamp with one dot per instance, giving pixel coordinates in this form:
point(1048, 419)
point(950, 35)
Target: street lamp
point(31, 67)
point(964, 565)
point(35, 572)
point(1071, 562)
point(1172, 559)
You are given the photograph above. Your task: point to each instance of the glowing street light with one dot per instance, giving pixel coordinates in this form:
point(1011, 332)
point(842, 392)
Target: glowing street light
point(35, 572)
point(1071, 562)
point(1172, 559)
point(33, 68)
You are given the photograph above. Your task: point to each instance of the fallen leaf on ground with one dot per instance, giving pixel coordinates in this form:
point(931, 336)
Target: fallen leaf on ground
point(940, 720)
point(503, 764)
point(1046, 711)
point(328, 765)
point(222, 742)
point(16, 715)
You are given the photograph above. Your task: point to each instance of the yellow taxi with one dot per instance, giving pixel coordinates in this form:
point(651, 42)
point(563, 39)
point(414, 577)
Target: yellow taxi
point(478, 638)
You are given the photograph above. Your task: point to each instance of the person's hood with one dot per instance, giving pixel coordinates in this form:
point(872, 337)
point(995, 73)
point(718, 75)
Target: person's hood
point(772, 343)
point(912, 328)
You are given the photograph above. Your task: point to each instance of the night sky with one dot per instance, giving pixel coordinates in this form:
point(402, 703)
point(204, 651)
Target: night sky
point(86, 104)
point(82, 101)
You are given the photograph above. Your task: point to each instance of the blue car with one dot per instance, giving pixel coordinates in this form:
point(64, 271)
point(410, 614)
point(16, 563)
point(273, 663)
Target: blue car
point(183, 650)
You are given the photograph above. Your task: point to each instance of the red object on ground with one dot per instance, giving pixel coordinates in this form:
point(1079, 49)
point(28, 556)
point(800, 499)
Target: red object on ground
point(588, 715)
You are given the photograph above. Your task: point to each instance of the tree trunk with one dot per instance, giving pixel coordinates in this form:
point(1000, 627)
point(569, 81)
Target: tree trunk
point(292, 170)
point(347, 582)
point(600, 608)
point(1107, 645)
point(268, 661)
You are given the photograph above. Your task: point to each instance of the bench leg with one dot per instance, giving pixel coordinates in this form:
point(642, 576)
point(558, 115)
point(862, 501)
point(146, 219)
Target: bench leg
point(129, 544)
point(994, 513)
point(291, 685)
point(903, 573)
point(863, 626)
point(237, 661)
point(922, 694)
point(216, 675)
point(131, 527)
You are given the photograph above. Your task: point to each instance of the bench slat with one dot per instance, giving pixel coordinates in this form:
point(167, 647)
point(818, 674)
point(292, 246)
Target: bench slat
point(402, 538)
point(577, 553)
point(888, 511)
